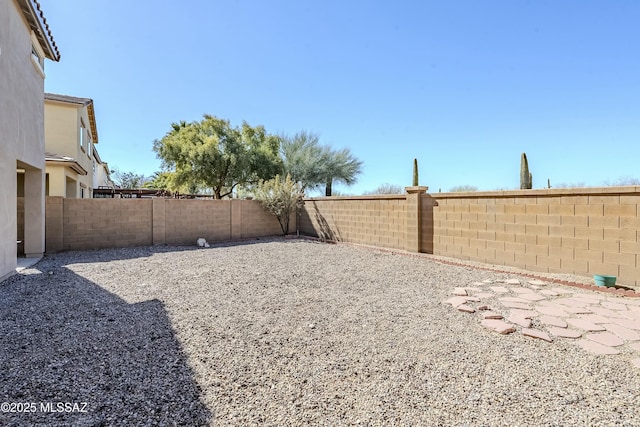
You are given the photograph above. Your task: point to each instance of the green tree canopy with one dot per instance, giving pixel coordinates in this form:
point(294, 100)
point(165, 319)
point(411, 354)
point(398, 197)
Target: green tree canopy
point(212, 153)
point(314, 165)
point(128, 179)
point(387, 188)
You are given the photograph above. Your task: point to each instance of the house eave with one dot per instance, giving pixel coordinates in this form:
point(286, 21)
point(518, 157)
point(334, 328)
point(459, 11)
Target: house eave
point(85, 102)
point(71, 164)
point(38, 24)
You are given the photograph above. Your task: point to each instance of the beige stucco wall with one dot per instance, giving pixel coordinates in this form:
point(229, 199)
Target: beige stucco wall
point(62, 136)
point(59, 177)
point(21, 137)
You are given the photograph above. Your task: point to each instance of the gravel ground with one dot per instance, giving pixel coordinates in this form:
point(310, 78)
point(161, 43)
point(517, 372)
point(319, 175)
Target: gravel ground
point(283, 332)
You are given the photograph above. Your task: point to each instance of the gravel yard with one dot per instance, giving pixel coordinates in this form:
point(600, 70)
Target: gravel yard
point(283, 332)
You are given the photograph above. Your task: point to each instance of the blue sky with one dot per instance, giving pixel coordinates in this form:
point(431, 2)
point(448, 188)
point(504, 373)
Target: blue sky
point(463, 86)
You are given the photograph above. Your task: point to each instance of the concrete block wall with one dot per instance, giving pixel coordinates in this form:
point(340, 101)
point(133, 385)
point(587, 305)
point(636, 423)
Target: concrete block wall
point(79, 224)
point(188, 220)
point(106, 223)
point(581, 231)
point(370, 220)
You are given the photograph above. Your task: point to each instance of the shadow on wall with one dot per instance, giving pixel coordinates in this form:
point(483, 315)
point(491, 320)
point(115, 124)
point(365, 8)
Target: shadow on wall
point(67, 340)
point(427, 203)
point(323, 229)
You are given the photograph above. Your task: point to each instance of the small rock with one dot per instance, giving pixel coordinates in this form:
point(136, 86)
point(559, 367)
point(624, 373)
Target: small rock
point(484, 307)
point(312, 325)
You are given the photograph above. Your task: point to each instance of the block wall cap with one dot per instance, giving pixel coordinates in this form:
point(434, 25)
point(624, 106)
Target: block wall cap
point(417, 189)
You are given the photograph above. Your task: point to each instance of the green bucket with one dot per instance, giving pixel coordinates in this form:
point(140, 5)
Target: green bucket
point(604, 280)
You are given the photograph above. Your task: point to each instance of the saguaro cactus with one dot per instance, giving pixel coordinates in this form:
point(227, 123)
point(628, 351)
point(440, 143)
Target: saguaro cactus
point(415, 172)
point(526, 179)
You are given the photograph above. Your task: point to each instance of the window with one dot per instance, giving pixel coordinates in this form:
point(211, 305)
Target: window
point(83, 135)
point(37, 55)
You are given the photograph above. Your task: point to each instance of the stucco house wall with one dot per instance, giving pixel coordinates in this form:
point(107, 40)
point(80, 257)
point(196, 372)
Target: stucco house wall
point(21, 131)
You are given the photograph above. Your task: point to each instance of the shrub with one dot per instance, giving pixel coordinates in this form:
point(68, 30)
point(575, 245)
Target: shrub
point(280, 198)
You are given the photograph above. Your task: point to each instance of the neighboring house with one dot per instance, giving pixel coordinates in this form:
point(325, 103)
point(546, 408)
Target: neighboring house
point(25, 43)
point(101, 172)
point(70, 138)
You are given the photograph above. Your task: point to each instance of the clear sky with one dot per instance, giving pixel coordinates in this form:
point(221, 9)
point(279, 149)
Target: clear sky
point(463, 86)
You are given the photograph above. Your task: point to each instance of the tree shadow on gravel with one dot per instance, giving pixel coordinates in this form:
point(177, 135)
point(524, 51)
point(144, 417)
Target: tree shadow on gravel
point(67, 340)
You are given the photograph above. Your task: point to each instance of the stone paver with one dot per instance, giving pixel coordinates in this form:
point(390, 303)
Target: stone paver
point(534, 333)
point(585, 300)
point(498, 326)
point(456, 301)
point(520, 321)
point(571, 302)
point(522, 290)
point(602, 311)
point(631, 314)
point(596, 348)
point(549, 292)
point(578, 310)
point(552, 321)
point(564, 332)
point(613, 305)
point(594, 318)
point(627, 323)
point(514, 299)
point(552, 311)
point(585, 325)
point(516, 305)
point(600, 324)
point(466, 308)
point(483, 295)
point(622, 332)
point(563, 291)
point(528, 314)
point(533, 297)
point(605, 338)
